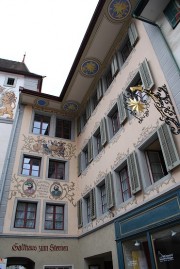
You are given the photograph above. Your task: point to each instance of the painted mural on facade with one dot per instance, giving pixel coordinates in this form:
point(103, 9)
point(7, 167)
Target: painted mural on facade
point(7, 103)
point(55, 148)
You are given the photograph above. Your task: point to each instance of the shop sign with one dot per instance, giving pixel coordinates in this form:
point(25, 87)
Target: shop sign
point(3, 263)
point(166, 258)
point(38, 248)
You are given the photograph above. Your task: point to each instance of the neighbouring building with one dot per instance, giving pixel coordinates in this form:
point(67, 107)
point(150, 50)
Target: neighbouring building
point(91, 181)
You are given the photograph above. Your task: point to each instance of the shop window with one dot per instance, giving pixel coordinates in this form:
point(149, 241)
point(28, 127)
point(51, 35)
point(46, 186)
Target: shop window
point(56, 169)
point(105, 195)
point(172, 12)
point(124, 183)
point(54, 217)
point(160, 154)
point(41, 124)
point(31, 166)
point(136, 253)
point(25, 216)
point(166, 248)
point(63, 128)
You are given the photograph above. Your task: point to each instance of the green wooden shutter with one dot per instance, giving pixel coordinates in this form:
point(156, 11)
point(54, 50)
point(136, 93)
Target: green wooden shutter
point(79, 164)
point(146, 76)
point(93, 203)
point(134, 174)
point(109, 190)
point(133, 35)
point(99, 90)
point(88, 109)
point(168, 147)
point(103, 132)
point(79, 213)
point(114, 66)
point(78, 125)
point(121, 109)
point(90, 150)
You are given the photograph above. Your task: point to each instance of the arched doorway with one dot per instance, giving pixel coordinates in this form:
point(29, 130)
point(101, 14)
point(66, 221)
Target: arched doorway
point(20, 263)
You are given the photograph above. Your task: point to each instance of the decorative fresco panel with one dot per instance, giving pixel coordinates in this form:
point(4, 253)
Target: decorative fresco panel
point(71, 106)
point(89, 67)
point(54, 148)
point(7, 103)
point(42, 189)
point(119, 9)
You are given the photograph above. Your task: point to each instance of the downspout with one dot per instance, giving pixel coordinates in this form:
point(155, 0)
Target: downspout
point(155, 24)
point(4, 172)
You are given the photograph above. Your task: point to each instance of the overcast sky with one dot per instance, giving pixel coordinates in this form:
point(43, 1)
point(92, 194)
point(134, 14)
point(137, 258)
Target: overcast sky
point(48, 31)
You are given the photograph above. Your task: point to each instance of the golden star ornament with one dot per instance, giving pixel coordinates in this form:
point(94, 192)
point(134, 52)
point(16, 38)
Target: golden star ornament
point(136, 105)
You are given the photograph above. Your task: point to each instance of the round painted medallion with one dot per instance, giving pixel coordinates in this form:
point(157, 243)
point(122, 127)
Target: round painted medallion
point(29, 187)
point(119, 9)
point(41, 102)
point(71, 106)
point(89, 67)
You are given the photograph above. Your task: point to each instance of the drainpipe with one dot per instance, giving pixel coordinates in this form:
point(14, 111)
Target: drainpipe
point(155, 24)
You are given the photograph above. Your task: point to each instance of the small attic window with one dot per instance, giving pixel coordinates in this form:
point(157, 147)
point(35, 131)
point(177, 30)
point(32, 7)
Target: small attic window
point(10, 81)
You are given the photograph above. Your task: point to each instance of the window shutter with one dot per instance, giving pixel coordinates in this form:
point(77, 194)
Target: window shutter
point(146, 76)
point(168, 147)
point(79, 213)
point(79, 164)
point(78, 125)
point(114, 66)
point(99, 90)
point(134, 174)
point(93, 203)
point(90, 150)
point(121, 109)
point(109, 190)
point(103, 132)
point(133, 35)
point(88, 109)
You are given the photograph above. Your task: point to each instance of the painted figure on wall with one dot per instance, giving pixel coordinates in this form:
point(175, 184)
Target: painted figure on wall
point(7, 103)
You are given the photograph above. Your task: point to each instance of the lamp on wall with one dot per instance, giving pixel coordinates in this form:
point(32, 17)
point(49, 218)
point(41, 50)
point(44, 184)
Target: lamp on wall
point(173, 233)
point(137, 243)
point(137, 102)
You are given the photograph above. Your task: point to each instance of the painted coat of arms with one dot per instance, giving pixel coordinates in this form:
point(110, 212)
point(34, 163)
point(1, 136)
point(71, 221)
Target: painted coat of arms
point(7, 102)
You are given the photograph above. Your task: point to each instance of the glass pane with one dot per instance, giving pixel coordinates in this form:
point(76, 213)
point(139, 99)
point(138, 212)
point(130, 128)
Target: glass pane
point(49, 209)
point(49, 225)
point(21, 206)
point(20, 215)
point(19, 223)
point(59, 225)
point(37, 124)
point(59, 209)
point(31, 215)
point(35, 173)
point(49, 216)
point(59, 217)
point(30, 224)
point(32, 207)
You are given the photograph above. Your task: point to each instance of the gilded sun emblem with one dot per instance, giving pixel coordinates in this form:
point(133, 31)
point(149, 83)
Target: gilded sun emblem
point(136, 105)
point(119, 9)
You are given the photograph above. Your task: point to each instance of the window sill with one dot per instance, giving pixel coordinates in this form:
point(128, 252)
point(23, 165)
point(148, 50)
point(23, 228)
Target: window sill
point(157, 183)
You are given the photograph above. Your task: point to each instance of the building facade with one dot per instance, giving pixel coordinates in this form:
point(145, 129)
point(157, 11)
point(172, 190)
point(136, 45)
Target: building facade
point(92, 181)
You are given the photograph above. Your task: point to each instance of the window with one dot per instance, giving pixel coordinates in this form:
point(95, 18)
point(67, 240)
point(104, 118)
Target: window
point(115, 122)
point(88, 209)
point(56, 169)
point(10, 81)
point(156, 162)
point(124, 182)
point(97, 139)
point(108, 77)
point(103, 199)
point(86, 155)
point(105, 195)
point(41, 124)
point(63, 129)
point(31, 166)
point(98, 94)
point(159, 155)
point(172, 12)
point(25, 215)
point(54, 217)
point(126, 49)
